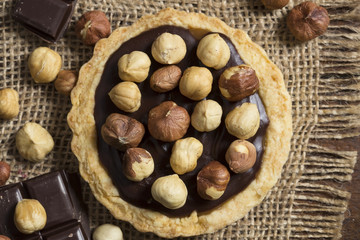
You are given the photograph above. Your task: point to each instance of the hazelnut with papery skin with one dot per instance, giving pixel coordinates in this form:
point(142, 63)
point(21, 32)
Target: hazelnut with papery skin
point(126, 96)
point(275, 4)
point(170, 191)
point(244, 121)
point(196, 83)
point(206, 116)
point(168, 48)
point(168, 121)
point(137, 164)
point(213, 51)
point(307, 21)
point(241, 156)
point(212, 180)
point(238, 82)
point(9, 103)
point(44, 65)
point(2, 237)
point(66, 81)
point(4, 172)
point(134, 66)
point(30, 216)
point(122, 132)
point(93, 26)
point(107, 232)
point(165, 79)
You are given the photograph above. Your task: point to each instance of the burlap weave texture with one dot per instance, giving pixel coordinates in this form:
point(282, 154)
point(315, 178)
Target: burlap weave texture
point(322, 77)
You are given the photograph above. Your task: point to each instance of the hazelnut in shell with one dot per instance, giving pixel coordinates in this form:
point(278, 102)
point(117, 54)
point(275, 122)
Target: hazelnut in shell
point(307, 21)
point(9, 103)
point(275, 4)
point(134, 66)
point(196, 83)
point(170, 191)
point(4, 172)
point(168, 122)
point(241, 156)
point(30, 216)
point(244, 121)
point(107, 232)
point(93, 26)
point(185, 154)
point(165, 79)
point(168, 48)
point(137, 164)
point(66, 81)
point(126, 96)
point(212, 180)
point(44, 64)
point(206, 116)
point(122, 132)
point(213, 51)
point(238, 82)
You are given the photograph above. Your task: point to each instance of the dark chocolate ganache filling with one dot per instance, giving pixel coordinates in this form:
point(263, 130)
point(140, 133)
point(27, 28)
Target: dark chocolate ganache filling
point(215, 143)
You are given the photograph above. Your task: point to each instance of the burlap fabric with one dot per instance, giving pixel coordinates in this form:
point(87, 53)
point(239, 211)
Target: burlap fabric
point(322, 77)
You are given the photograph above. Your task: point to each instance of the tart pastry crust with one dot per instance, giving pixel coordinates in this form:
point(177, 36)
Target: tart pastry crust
point(277, 140)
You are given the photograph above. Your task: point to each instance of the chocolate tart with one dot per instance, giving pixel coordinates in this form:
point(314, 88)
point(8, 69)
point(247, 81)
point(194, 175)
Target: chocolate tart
point(100, 164)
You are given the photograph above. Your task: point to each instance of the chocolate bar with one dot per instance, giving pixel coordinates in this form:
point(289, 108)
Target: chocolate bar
point(59, 193)
point(46, 18)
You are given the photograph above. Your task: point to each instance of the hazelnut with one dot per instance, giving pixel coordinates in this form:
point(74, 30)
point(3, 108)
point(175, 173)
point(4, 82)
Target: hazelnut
point(275, 4)
point(168, 122)
point(30, 216)
point(170, 191)
point(185, 154)
point(238, 82)
point(4, 172)
point(66, 81)
point(9, 103)
point(196, 83)
point(126, 96)
point(206, 116)
point(212, 180)
point(122, 132)
point(168, 48)
point(165, 79)
point(107, 232)
point(93, 26)
point(34, 142)
point(137, 164)
point(244, 121)
point(134, 66)
point(2, 237)
point(241, 156)
point(44, 65)
point(307, 21)
point(213, 51)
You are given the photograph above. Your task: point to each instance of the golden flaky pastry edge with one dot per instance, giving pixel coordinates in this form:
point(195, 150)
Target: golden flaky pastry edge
point(277, 141)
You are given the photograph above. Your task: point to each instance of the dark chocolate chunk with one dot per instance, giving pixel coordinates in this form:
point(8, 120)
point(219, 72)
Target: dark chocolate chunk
point(59, 193)
point(48, 19)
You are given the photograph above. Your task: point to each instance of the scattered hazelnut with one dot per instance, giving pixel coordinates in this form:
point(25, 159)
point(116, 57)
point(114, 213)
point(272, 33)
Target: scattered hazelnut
point(275, 4)
point(185, 154)
point(238, 82)
point(44, 65)
point(170, 191)
point(307, 21)
point(126, 96)
point(165, 79)
point(137, 164)
point(212, 180)
point(196, 83)
point(213, 51)
point(244, 121)
point(93, 26)
point(168, 48)
point(30, 216)
point(206, 116)
point(122, 132)
point(134, 66)
point(9, 103)
point(168, 121)
point(66, 81)
point(33, 142)
point(2, 237)
point(241, 156)
point(107, 232)
point(4, 172)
